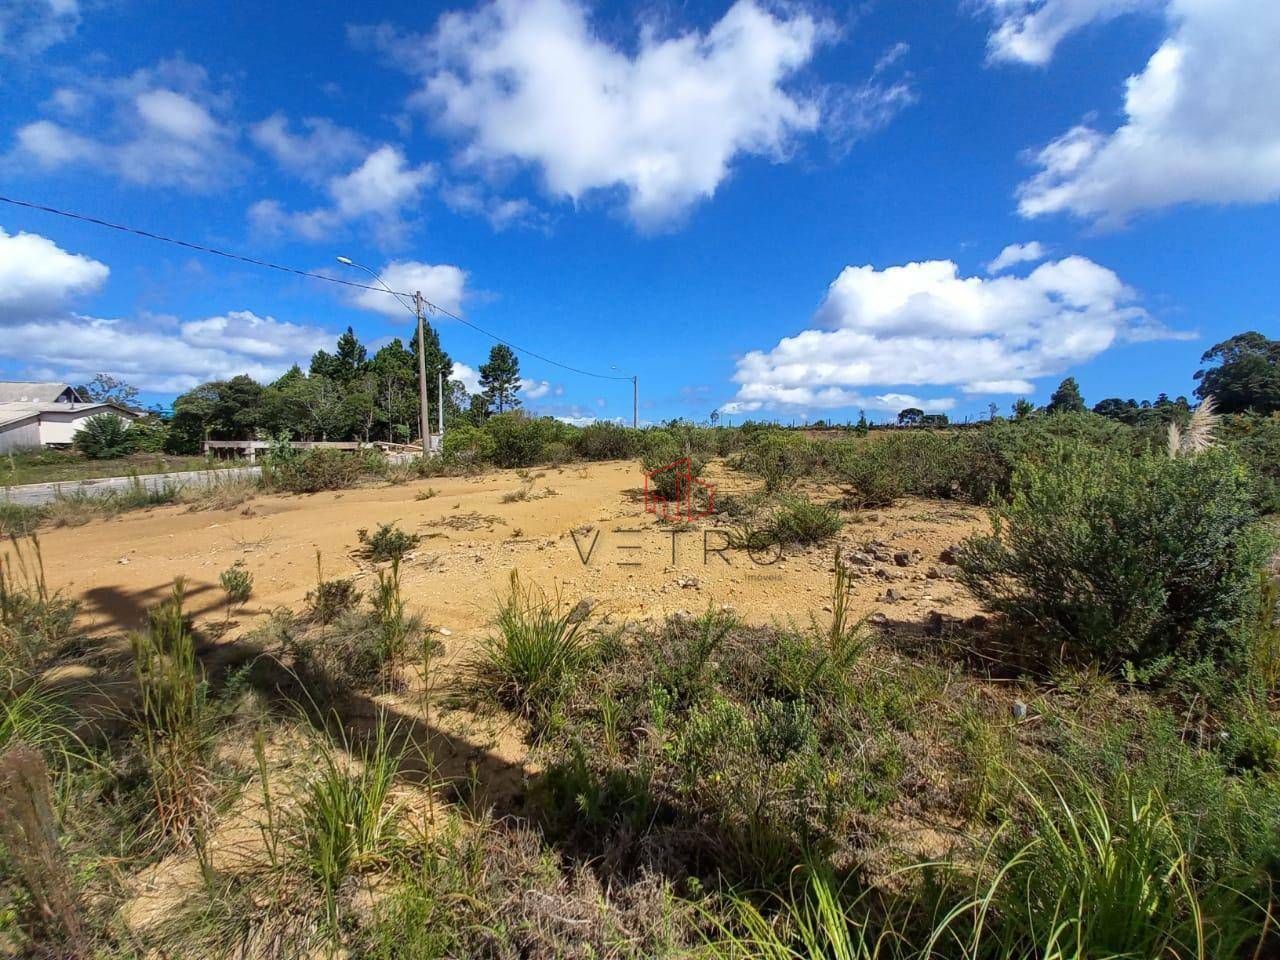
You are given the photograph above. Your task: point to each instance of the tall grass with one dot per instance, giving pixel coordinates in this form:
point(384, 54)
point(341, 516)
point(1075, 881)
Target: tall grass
point(345, 820)
point(174, 719)
point(33, 618)
point(538, 648)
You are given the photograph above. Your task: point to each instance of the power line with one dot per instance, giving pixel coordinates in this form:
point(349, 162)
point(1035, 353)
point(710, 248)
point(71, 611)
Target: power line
point(255, 261)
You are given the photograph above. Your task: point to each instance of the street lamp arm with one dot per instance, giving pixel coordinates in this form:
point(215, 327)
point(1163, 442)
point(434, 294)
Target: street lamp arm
point(373, 273)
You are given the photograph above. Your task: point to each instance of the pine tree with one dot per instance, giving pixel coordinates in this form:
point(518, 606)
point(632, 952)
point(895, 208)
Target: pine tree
point(500, 378)
point(1067, 399)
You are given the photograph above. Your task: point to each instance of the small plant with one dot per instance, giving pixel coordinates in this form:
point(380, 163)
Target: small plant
point(316, 470)
point(388, 542)
point(393, 625)
point(799, 521)
point(174, 719)
point(33, 619)
point(330, 598)
point(425, 494)
point(536, 652)
point(237, 584)
point(105, 437)
point(346, 820)
point(1264, 644)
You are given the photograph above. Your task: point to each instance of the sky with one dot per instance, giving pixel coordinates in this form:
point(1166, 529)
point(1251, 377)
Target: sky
point(784, 211)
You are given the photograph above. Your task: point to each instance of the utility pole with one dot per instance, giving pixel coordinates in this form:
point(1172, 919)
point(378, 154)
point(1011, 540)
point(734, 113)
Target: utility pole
point(422, 375)
point(440, 404)
point(635, 403)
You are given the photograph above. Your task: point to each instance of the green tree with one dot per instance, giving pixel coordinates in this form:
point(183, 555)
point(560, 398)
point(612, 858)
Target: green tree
point(1023, 408)
point(395, 373)
point(910, 416)
point(1066, 399)
point(500, 378)
point(105, 388)
point(1245, 374)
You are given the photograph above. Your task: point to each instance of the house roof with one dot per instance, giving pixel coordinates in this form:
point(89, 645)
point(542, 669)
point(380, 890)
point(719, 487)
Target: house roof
point(11, 412)
point(30, 391)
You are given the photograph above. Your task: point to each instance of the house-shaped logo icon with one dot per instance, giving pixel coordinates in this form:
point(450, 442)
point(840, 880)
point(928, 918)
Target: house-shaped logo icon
point(693, 497)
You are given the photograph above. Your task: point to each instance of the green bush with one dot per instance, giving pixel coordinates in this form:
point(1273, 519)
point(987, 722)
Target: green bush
point(518, 439)
point(800, 521)
point(466, 445)
point(1256, 440)
point(1115, 558)
point(607, 441)
point(779, 458)
point(105, 437)
point(317, 470)
point(665, 447)
point(388, 542)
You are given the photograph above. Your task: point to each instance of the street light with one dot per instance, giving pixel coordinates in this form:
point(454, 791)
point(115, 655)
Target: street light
point(416, 310)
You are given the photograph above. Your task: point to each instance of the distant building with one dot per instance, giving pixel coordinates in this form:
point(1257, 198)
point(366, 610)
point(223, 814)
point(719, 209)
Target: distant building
point(46, 414)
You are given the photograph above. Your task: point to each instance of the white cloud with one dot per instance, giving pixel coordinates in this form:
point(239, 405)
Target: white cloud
point(538, 389)
point(1016, 253)
point(29, 27)
point(1028, 31)
point(443, 284)
point(163, 356)
point(469, 376)
point(922, 324)
point(322, 148)
point(38, 276)
point(159, 126)
point(1201, 123)
point(39, 280)
point(531, 82)
point(378, 190)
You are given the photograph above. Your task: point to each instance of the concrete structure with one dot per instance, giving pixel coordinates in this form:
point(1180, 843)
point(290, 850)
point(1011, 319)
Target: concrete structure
point(46, 414)
point(251, 449)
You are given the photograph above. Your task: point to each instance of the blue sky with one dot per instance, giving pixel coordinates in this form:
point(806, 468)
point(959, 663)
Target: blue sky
point(792, 211)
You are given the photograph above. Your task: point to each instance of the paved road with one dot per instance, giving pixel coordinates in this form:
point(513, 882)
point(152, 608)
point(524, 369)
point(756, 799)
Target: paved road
point(33, 494)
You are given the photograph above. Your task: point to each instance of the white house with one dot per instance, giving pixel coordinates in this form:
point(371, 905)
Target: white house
point(46, 414)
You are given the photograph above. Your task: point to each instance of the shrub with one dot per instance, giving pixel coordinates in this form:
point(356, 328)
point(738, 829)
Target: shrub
point(800, 521)
point(1117, 558)
point(18, 519)
point(237, 584)
point(1256, 440)
point(665, 448)
point(466, 444)
point(531, 660)
point(518, 439)
point(105, 437)
point(316, 470)
point(779, 458)
point(608, 441)
point(388, 542)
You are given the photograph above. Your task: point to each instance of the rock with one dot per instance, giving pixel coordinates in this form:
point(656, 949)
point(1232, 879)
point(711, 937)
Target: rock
point(933, 573)
point(1019, 710)
point(902, 558)
point(892, 596)
point(123, 560)
point(688, 583)
point(977, 622)
point(581, 610)
point(444, 632)
point(859, 558)
point(938, 624)
point(950, 554)
point(877, 619)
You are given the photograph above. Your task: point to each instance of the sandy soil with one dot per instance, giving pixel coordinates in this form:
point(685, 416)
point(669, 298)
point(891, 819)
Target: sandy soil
point(591, 537)
point(582, 531)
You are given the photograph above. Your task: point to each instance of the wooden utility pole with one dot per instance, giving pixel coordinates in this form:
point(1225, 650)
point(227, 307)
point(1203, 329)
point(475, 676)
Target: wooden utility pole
point(419, 309)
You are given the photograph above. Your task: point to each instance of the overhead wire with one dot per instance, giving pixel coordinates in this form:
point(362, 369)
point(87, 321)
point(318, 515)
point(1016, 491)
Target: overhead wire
point(267, 264)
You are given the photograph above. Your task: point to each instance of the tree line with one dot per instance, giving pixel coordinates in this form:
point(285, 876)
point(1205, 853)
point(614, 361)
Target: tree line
point(346, 395)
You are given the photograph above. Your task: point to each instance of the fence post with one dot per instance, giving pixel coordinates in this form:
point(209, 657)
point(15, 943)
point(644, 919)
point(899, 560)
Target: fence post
point(30, 832)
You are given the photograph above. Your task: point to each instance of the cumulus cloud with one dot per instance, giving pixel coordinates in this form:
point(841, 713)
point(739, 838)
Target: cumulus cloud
point(377, 191)
point(1200, 126)
point(38, 283)
point(923, 324)
point(29, 27)
point(468, 376)
point(443, 284)
point(161, 354)
point(37, 276)
point(322, 147)
point(1016, 253)
point(539, 389)
point(1028, 31)
point(159, 126)
point(660, 122)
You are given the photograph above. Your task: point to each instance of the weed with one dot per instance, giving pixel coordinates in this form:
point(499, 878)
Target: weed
point(802, 522)
point(33, 619)
point(237, 584)
point(425, 494)
point(174, 719)
point(330, 598)
point(536, 652)
point(388, 542)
